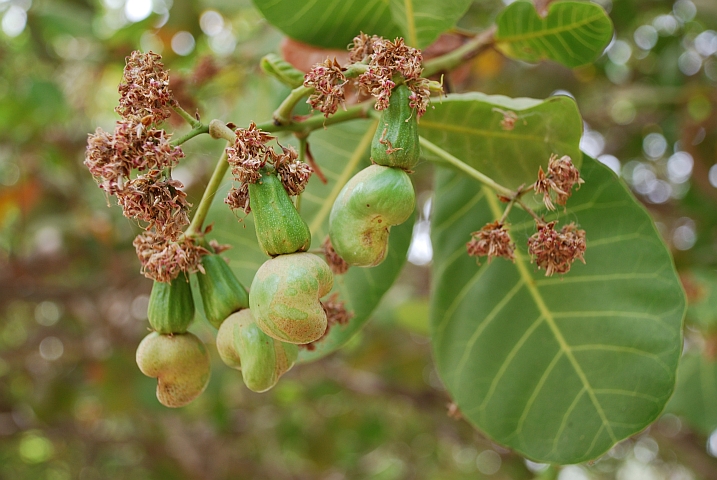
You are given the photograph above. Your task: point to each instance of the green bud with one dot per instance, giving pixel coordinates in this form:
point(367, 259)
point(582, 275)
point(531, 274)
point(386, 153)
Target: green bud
point(395, 143)
point(171, 306)
point(221, 292)
point(279, 227)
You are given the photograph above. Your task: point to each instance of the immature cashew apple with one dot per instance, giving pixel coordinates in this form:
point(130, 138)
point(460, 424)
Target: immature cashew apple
point(279, 227)
point(179, 362)
point(222, 293)
point(375, 199)
point(171, 306)
point(284, 297)
point(261, 359)
point(395, 143)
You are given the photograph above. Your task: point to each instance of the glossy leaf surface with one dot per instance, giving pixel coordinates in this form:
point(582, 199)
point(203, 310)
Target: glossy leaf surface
point(572, 33)
point(559, 368)
point(469, 126)
point(331, 24)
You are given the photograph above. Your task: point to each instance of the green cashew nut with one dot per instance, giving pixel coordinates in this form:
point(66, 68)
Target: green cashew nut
point(171, 306)
point(395, 143)
point(261, 359)
point(284, 297)
point(179, 362)
point(279, 227)
point(370, 203)
point(222, 293)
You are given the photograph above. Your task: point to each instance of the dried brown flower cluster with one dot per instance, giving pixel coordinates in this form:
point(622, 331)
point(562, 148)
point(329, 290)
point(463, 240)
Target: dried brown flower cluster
point(336, 314)
point(386, 61)
point(492, 240)
point(328, 81)
point(556, 251)
point(144, 90)
point(250, 153)
point(151, 197)
point(560, 179)
point(337, 264)
point(163, 260)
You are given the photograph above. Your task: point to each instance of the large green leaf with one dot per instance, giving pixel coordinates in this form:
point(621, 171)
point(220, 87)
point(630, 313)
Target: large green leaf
point(695, 396)
point(471, 123)
point(422, 21)
point(560, 368)
point(340, 151)
point(327, 23)
point(573, 33)
point(332, 24)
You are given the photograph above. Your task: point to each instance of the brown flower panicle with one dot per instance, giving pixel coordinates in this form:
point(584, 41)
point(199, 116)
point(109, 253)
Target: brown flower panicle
point(362, 46)
point(160, 203)
point(560, 179)
point(293, 173)
point(337, 264)
point(144, 90)
point(163, 260)
point(336, 314)
point(387, 60)
point(249, 153)
point(492, 240)
point(132, 146)
point(556, 251)
point(328, 81)
point(238, 198)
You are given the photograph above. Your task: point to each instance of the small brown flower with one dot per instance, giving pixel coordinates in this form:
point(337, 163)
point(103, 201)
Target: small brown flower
point(387, 60)
point(328, 81)
point(144, 90)
point(238, 198)
point(163, 260)
point(293, 173)
point(492, 240)
point(555, 251)
point(362, 47)
point(560, 179)
point(249, 153)
point(160, 203)
point(132, 146)
point(337, 264)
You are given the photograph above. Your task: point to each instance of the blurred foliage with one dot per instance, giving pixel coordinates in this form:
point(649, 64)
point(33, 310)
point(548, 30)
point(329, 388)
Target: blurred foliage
point(72, 306)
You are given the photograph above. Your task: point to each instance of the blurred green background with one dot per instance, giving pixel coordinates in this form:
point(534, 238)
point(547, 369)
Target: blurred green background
point(73, 404)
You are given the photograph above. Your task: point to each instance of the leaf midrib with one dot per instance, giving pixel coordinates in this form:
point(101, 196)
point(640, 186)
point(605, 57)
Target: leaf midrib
point(549, 31)
point(520, 263)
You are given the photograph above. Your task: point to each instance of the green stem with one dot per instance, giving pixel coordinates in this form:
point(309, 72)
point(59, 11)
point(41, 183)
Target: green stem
point(465, 168)
point(198, 130)
point(530, 211)
point(282, 115)
point(318, 121)
point(214, 182)
point(454, 58)
point(185, 115)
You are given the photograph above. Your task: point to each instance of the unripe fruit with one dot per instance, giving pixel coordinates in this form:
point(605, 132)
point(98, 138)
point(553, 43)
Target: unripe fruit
point(279, 227)
point(284, 297)
point(395, 143)
point(370, 203)
point(171, 306)
point(179, 362)
point(222, 293)
point(261, 359)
